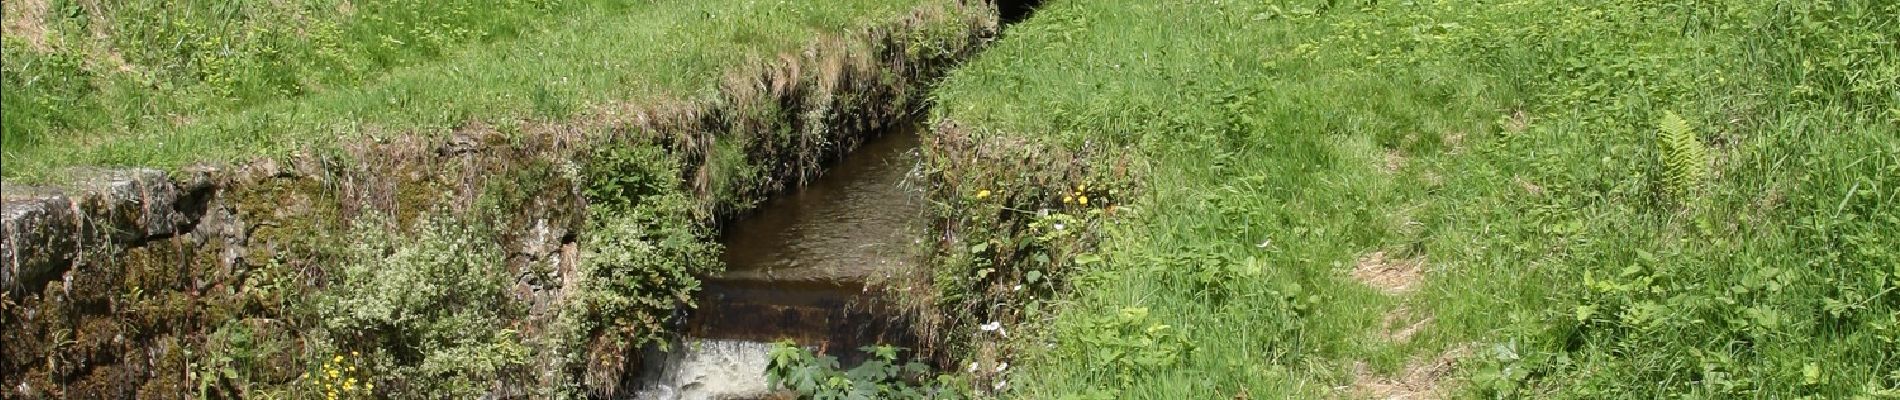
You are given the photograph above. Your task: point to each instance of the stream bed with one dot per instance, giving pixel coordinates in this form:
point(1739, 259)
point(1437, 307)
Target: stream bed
point(801, 267)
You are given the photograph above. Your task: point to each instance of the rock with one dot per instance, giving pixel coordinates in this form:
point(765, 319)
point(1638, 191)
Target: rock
point(198, 178)
point(136, 204)
point(40, 237)
point(45, 230)
point(459, 144)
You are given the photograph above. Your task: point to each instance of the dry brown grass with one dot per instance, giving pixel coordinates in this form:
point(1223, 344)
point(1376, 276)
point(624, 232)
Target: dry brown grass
point(1393, 276)
point(1393, 161)
point(1401, 324)
point(1421, 379)
point(26, 20)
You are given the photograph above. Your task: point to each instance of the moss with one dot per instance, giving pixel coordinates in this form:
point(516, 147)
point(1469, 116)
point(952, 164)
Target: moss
point(170, 367)
point(288, 220)
point(156, 268)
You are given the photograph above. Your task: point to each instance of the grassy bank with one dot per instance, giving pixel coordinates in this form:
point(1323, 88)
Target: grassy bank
point(216, 81)
point(1609, 199)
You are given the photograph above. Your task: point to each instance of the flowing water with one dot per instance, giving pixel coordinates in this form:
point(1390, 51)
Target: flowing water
point(798, 269)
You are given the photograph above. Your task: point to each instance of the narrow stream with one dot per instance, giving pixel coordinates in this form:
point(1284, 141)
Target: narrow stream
point(798, 269)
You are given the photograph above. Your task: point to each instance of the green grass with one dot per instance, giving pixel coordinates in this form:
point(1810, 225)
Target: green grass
point(389, 68)
point(1573, 246)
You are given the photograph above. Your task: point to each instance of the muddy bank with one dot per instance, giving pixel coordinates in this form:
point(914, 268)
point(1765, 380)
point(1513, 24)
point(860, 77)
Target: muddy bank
point(194, 283)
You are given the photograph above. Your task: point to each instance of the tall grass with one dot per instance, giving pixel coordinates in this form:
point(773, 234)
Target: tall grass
point(217, 81)
point(1610, 199)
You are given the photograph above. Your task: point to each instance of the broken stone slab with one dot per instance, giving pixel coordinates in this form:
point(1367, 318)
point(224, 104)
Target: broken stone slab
point(46, 229)
point(134, 204)
point(40, 237)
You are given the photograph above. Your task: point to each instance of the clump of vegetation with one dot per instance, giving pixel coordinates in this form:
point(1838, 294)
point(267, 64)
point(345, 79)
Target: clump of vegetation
point(428, 315)
point(644, 251)
point(815, 376)
point(1018, 220)
point(641, 258)
point(1513, 154)
point(1685, 159)
point(641, 267)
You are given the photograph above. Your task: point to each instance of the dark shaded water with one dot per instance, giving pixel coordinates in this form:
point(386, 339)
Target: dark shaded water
point(798, 269)
point(847, 225)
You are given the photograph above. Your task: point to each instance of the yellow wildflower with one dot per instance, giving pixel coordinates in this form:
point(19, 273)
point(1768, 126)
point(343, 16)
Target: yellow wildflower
point(1068, 199)
point(983, 194)
point(1084, 200)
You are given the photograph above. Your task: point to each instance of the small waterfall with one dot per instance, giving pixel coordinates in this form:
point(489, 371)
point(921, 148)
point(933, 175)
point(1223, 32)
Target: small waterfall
point(709, 369)
point(798, 269)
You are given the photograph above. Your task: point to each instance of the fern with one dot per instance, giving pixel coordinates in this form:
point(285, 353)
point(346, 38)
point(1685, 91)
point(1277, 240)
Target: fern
point(1685, 159)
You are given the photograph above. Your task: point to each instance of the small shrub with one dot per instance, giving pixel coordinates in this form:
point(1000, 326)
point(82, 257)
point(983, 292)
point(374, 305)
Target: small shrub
point(641, 258)
point(640, 266)
point(644, 251)
point(430, 311)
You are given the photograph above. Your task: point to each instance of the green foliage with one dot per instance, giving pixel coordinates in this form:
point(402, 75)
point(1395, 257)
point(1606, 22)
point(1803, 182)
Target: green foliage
point(641, 266)
point(1127, 345)
point(237, 354)
point(644, 250)
point(431, 310)
point(1515, 148)
point(1685, 159)
point(1025, 221)
point(619, 177)
point(814, 376)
